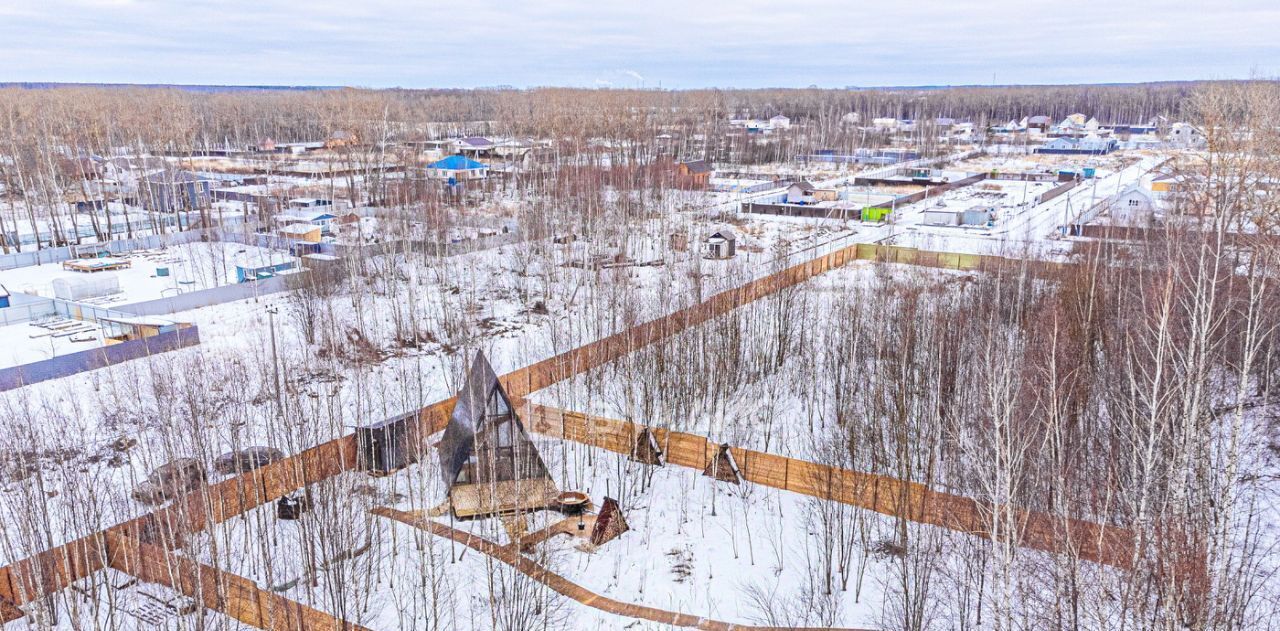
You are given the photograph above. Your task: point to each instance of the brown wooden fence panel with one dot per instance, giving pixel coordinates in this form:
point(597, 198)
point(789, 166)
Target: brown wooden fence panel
point(809, 479)
point(217, 590)
point(882, 494)
point(36, 576)
point(686, 450)
point(281, 478)
point(762, 468)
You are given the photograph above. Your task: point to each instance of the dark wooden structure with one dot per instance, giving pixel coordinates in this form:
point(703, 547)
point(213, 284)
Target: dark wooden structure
point(647, 449)
point(488, 462)
point(609, 523)
point(723, 467)
point(390, 445)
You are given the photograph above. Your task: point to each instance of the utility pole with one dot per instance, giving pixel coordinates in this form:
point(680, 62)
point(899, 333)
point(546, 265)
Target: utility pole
point(275, 360)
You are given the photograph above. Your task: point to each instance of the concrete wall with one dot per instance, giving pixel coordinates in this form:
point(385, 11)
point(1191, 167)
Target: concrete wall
point(25, 308)
point(210, 297)
point(57, 255)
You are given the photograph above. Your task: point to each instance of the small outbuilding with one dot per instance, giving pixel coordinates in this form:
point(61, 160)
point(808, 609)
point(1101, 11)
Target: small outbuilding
point(978, 216)
point(258, 268)
point(308, 232)
point(84, 287)
point(942, 217)
point(800, 193)
point(721, 244)
point(389, 446)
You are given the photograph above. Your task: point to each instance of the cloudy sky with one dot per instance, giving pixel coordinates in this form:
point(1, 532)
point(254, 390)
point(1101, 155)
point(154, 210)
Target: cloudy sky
point(634, 43)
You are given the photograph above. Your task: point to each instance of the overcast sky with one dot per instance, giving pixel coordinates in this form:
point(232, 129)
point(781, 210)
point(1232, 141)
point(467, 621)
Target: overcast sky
point(650, 43)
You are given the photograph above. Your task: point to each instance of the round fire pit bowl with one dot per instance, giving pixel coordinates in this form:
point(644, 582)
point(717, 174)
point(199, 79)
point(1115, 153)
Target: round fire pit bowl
point(572, 502)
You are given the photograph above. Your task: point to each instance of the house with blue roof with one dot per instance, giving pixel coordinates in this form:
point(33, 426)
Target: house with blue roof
point(455, 169)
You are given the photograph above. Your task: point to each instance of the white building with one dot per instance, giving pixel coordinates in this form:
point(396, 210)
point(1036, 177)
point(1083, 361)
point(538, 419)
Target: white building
point(1184, 135)
point(800, 193)
point(1135, 206)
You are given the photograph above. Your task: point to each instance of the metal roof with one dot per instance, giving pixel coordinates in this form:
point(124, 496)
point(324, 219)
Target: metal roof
point(698, 166)
point(457, 163)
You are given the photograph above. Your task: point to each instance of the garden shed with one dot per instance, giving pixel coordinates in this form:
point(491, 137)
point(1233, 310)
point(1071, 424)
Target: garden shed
point(721, 244)
point(388, 446)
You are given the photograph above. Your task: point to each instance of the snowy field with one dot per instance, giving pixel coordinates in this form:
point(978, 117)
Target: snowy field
point(1021, 229)
point(29, 342)
point(398, 337)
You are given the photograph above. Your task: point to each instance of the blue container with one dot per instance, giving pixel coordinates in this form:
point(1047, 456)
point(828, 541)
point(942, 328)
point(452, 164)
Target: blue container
point(162, 271)
point(1089, 172)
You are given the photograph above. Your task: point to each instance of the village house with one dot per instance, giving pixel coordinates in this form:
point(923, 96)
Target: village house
point(800, 193)
point(172, 190)
point(1184, 135)
point(1134, 206)
point(474, 146)
point(456, 169)
point(320, 218)
point(487, 461)
point(693, 174)
point(1038, 123)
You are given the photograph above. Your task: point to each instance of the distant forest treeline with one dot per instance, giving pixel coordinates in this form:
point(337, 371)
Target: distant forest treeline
point(200, 118)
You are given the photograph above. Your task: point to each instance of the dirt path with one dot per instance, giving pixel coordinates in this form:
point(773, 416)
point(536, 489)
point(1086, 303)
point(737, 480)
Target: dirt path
point(562, 585)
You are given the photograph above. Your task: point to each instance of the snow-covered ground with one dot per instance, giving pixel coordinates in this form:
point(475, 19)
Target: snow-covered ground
point(398, 338)
point(695, 546)
point(191, 267)
point(1020, 229)
point(28, 342)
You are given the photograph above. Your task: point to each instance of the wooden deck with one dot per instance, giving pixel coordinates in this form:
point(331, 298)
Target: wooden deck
point(502, 498)
point(89, 266)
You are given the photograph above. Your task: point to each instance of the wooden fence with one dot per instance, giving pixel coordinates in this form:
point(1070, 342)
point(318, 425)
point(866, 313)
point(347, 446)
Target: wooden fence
point(1087, 540)
point(226, 593)
point(30, 579)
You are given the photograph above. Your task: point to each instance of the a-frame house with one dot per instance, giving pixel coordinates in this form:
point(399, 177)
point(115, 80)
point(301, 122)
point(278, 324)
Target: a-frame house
point(488, 462)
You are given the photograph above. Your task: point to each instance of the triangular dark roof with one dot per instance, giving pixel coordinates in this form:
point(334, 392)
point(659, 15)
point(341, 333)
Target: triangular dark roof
point(459, 435)
point(723, 233)
point(805, 186)
point(467, 422)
